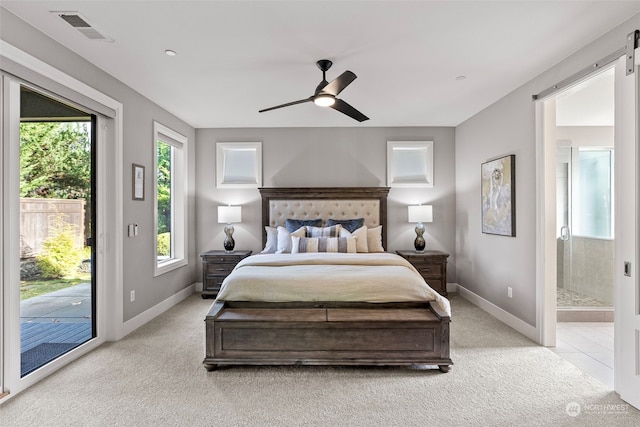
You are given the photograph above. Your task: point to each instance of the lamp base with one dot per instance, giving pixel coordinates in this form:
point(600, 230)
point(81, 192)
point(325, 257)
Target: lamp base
point(229, 243)
point(419, 243)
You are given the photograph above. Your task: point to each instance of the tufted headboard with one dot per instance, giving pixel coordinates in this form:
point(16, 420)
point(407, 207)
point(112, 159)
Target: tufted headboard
point(370, 203)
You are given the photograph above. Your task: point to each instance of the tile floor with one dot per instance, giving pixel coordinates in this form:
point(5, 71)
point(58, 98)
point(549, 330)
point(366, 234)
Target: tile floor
point(589, 346)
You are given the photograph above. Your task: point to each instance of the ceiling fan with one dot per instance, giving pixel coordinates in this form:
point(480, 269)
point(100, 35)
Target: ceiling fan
point(325, 94)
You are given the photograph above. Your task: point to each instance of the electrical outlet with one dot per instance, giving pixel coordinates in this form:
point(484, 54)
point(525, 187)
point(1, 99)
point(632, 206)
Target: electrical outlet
point(509, 292)
point(132, 296)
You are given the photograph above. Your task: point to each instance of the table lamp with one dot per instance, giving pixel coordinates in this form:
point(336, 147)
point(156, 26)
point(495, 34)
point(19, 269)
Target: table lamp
point(228, 215)
point(420, 214)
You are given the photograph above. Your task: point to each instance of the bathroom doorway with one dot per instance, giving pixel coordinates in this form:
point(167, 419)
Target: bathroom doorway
point(584, 200)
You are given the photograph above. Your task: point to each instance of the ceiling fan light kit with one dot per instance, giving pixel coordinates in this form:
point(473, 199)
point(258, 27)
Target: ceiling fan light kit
point(326, 92)
point(324, 100)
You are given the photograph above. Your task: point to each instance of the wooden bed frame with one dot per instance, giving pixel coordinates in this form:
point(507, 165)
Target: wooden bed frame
point(297, 333)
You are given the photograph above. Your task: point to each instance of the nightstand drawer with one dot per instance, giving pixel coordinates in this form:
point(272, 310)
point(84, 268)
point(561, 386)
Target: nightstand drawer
point(214, 281)
point(219, 268)
point(224, 259)
point(429, 269)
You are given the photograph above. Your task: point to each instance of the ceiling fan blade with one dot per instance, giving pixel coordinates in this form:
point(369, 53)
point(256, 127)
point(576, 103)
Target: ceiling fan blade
point(339, 83)
point(287, 104)
point(347, 109)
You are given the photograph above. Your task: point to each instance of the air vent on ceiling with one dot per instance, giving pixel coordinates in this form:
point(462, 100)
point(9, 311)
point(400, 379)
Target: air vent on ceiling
point(82, 26)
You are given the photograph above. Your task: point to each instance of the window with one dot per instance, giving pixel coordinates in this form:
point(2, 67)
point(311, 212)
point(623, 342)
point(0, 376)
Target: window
point(238, 164)
point(170, 190)
point(410, 163)
point(594, 214)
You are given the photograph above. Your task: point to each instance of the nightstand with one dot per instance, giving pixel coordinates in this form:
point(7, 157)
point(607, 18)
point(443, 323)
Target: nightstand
point(432, 265)
point(216, 265)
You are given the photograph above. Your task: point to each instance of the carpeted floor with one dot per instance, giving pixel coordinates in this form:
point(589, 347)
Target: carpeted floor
point(154, 377)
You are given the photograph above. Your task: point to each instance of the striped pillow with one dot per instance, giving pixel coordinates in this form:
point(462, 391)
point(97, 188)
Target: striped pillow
point(323, 244)
point(333, 231)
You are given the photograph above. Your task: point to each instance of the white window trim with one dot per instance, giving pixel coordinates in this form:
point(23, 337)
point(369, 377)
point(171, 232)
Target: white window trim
point(179, 197)
point(223, 149)
point(422, 150)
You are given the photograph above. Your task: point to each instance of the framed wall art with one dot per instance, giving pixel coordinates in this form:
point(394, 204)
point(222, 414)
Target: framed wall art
point(137, 172)
point(499, 196)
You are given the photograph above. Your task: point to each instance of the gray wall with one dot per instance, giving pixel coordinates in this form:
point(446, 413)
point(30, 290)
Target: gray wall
point(487, 264)
point(139, 113)
point(317, 157)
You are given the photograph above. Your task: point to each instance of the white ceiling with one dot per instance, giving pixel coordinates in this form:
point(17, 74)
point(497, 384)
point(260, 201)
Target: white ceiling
point(236, 57)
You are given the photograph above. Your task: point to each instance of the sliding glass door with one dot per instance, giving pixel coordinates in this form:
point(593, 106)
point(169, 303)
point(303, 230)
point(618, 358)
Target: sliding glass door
point(57, 223)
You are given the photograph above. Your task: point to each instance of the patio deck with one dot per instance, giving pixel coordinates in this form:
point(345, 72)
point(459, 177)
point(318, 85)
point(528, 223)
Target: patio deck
point(52, 324)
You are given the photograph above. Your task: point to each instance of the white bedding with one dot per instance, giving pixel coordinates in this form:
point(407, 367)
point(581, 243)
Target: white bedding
point(327, 277)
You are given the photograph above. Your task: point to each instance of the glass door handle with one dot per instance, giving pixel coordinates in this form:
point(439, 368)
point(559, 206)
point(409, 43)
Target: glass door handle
point(564, 233)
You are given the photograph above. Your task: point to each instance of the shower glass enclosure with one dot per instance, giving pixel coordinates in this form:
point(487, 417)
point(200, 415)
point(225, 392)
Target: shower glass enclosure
point(585, 227)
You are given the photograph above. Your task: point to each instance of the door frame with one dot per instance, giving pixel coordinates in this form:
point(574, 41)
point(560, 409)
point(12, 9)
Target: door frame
point(546, 246)
point(109, 208)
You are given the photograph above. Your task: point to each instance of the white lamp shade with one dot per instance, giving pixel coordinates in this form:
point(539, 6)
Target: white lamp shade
point(229, 214)
point(421, 213)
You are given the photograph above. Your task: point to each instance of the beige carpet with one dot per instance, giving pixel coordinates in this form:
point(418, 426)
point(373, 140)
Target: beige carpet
point(154, 377)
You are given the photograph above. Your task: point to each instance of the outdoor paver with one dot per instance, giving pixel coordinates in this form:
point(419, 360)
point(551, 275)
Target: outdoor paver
point(71, 302)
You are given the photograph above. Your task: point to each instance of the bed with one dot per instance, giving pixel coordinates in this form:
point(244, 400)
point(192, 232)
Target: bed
point(309, 307)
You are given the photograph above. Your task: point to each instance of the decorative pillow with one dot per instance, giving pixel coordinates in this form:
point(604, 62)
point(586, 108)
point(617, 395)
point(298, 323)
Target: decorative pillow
point(295, 224)
point(360, 234)
point(272, 240)
point(350, 224)
point(374, 239)
point(284, 238)
point(333, 231)
point(323, 244)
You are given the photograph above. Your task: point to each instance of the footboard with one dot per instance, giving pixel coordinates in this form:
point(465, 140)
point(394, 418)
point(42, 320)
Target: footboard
point(365, 334)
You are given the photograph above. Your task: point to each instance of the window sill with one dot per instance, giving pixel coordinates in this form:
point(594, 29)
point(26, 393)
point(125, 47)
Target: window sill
point(169, 265)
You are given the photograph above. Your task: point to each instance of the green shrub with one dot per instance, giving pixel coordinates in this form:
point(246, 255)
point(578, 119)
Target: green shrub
point(60, 255)
point(164, 244)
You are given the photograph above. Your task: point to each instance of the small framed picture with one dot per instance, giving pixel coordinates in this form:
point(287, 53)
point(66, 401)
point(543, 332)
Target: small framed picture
point(138, 182)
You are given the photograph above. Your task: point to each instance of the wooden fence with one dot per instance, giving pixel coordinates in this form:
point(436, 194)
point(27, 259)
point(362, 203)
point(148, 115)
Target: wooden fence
point(37, 220)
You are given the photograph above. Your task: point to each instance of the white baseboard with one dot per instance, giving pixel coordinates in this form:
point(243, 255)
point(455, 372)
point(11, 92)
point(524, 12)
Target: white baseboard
point(504, 316)
point(198, 286)
point(150, 314)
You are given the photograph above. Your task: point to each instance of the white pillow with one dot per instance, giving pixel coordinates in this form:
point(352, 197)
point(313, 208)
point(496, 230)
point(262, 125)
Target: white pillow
point(374, 239)
point(284, 238)
point(361, 238)
point(272, 240)
point(323, 244)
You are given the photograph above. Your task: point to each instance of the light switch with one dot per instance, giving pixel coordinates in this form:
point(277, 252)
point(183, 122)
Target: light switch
point(131, 230)
point(627, 268)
